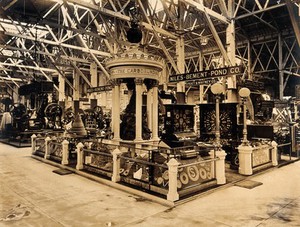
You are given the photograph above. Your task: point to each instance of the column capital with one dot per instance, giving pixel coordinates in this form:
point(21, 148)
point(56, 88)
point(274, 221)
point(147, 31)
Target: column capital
point(138, 81)
point(151, 83)
point(115, 82)
point(154, 83)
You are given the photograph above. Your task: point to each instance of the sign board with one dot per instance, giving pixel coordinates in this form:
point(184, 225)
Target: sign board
point(212, 73)
point(99, 89)
point(201, 82)
point(253, 85)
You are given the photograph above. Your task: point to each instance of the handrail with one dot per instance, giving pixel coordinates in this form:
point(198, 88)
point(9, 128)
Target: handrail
point(144, 162)
point(200, 162)
point(98, 152)
point(263, 146)
point(284, 144)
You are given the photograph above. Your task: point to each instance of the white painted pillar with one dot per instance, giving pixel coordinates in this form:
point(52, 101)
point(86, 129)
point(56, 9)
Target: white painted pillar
point(138, 109)
point(65, 152)
point(150, 108)
point(220, 167)
point(155, 113)
point(274, 154)
point(245, 159)
point(116, 110)
point(116, 165)
point(33, 143)
point(173, 172)
point(47, 151)
point(79, 164)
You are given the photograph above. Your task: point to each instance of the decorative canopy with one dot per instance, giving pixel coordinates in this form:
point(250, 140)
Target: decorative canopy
point(135, 63)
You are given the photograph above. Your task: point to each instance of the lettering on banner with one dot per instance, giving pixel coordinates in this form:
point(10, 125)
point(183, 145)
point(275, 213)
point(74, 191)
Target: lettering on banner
point(99, 89)
point(133, 71)
point(234, 70)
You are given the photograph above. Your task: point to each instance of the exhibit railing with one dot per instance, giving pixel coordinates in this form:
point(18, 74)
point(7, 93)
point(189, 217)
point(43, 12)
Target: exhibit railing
point(196, 176)
point(171, 173)
point(38, 145)
point(55, 150)
point(98, 161)
point(261, 155)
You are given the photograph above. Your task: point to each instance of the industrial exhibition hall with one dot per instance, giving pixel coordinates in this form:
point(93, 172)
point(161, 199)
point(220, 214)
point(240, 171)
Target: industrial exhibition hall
point(149, 112)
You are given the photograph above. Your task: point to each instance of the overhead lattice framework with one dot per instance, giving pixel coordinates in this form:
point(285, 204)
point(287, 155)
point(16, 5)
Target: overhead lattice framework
point(45, 39)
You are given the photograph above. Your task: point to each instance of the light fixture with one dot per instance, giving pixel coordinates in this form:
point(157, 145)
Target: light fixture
point(244, 92)
point(217, 89)
point(134, 33)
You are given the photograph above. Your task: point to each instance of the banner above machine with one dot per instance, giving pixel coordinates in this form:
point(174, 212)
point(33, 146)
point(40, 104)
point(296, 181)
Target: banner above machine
point(212, 73)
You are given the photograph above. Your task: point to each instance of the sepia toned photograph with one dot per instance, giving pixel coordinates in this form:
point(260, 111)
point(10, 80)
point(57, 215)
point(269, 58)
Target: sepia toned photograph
point(149, 113)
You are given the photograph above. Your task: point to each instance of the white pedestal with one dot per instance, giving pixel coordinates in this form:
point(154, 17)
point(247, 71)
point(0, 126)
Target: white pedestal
point(245, 160)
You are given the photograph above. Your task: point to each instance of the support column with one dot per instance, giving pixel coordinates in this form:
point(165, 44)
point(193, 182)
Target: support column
point(280, 66)
point(180, 95)
point(138, 109)
point(249, 66)
point(94, 82)
point(103, 95)
point(116, 109)
point(76, 93)
point(230, 41)
point(61, 87)
point(201, 87)
point(150, 108)
point(180, 54)
point(155, 113)
point(16, 94)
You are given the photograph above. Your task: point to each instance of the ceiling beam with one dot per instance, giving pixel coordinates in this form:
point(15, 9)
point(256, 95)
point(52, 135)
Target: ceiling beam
point(223, 8)
point(51, 42)
point(121, 17)
point(261, 20)
point(294, 19)
point(12, 48)
point(200, 7)
point(73, 24)
point(9, 5)
point(161, 44)
point(259, 11)
point(217, 38)
point(28, 67)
